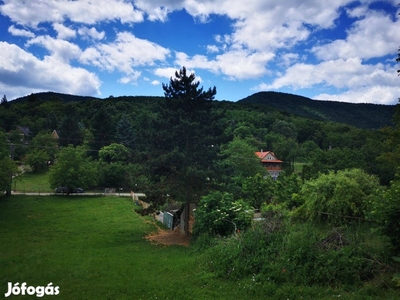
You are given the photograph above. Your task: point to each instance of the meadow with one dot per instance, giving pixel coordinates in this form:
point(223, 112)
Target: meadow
point(95, 248)
point(36, 182)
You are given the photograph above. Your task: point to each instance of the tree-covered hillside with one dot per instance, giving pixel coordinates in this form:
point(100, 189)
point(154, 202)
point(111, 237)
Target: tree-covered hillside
point(362, 115)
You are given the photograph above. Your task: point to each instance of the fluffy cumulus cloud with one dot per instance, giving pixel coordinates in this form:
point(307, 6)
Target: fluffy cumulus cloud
point(21, 70)
point(20, 32)
point(61, 50)
point(306, 75)
point(346, 47)
point(364, 80)
point(124, 54)
point(235, 64)
point(64, 32)
point(374, 35)
point(30, 13)
point(375, 94)
point(92, 33)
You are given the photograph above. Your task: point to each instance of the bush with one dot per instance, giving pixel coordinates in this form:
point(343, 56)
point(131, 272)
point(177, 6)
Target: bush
point(219, 214)
point(386, 214)
point(339, 198)
point(301, 254)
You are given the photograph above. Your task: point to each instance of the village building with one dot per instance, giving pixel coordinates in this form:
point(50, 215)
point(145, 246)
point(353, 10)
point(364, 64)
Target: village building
point(270, 162)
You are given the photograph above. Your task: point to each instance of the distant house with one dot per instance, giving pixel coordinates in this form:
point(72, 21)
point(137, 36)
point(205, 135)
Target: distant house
point(24, 133)
point(54, 135)
point(271, 163)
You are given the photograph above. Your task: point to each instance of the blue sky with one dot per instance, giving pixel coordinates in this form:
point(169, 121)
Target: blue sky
point(329, 50)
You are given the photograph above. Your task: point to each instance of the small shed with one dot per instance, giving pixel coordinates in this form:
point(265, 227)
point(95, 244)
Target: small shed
point(183, 218)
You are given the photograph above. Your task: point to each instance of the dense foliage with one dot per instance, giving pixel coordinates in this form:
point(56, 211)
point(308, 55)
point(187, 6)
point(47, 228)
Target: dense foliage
point(339, 198)
point(219, 214)
point(73, 169)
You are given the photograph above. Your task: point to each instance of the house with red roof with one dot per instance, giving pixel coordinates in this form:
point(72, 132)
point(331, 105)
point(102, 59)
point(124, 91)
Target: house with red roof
point(271, 163)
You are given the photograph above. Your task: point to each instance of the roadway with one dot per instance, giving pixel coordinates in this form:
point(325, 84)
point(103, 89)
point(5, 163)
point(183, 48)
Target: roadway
point(140, 195)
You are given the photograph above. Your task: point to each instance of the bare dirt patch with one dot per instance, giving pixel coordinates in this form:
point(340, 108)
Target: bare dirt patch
point(169, 237)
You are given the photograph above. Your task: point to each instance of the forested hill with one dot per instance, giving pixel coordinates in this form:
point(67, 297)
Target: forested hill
point(368, 116)
point(51, 96)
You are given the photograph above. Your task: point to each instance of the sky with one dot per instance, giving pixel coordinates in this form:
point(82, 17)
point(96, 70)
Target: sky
point(338, 50)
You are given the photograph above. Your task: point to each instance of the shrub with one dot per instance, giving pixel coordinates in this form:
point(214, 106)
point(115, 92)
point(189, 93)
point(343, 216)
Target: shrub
point(301, 254)
point(219, 214)
point(339, 198)
point(386, 213)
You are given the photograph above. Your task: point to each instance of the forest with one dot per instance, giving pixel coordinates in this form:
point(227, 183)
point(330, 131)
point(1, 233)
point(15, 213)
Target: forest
point(331, 217)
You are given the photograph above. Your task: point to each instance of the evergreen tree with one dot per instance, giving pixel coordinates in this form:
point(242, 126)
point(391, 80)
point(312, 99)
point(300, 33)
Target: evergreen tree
point(187, 111)
point(51, 121)
point(102, 128)
point(70, 131)
point(187, 124)
point(4, 101)
point(125, 132)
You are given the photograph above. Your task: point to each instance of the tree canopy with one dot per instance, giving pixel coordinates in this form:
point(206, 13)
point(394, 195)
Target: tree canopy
point(73, 169)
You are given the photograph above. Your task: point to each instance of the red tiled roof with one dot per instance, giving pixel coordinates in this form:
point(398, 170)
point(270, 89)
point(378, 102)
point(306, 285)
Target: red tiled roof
point(262, 155)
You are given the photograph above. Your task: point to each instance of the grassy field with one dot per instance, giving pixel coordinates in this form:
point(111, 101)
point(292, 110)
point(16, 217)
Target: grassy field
point(94, 248)
point(32, 182)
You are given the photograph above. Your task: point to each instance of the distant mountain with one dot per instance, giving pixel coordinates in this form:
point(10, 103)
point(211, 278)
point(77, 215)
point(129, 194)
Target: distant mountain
point(48, 96)
point(368, 116)
point(362, 115)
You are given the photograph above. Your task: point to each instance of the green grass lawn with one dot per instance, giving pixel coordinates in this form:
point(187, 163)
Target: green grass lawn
point(94, 248)
point(32, 182)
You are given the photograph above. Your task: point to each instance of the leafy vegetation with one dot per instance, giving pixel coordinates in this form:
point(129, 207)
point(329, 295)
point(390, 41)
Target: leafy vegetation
point(73, 169)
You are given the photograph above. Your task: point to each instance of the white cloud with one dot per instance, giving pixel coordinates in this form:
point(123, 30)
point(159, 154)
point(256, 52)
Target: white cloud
point(371, 94)
point(288, 59)
point(91, 32)
point(64, 32)
point(21, 71)
point(349, 75)
point(166, 72)
point(155, 82)
point(131, 78)
point(339, 73)
point(260, 40)
point(236, 64)
point(20, 32)
point(158, 10)
point(212, 49)
point(375, 35)
point(125, 53)
point(59, 49)
point(32, 13)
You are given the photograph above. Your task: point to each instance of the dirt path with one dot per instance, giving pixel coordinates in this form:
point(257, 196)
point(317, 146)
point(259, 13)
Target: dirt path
point(169, 237)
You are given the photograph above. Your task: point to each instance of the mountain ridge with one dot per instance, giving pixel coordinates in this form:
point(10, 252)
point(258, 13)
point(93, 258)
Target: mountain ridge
point(363, 115)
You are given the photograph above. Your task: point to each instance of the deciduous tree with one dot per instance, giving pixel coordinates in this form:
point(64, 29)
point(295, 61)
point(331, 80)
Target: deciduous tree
point(219, 214)
point(73, 168)
point(339, 198)
point(8, 167)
